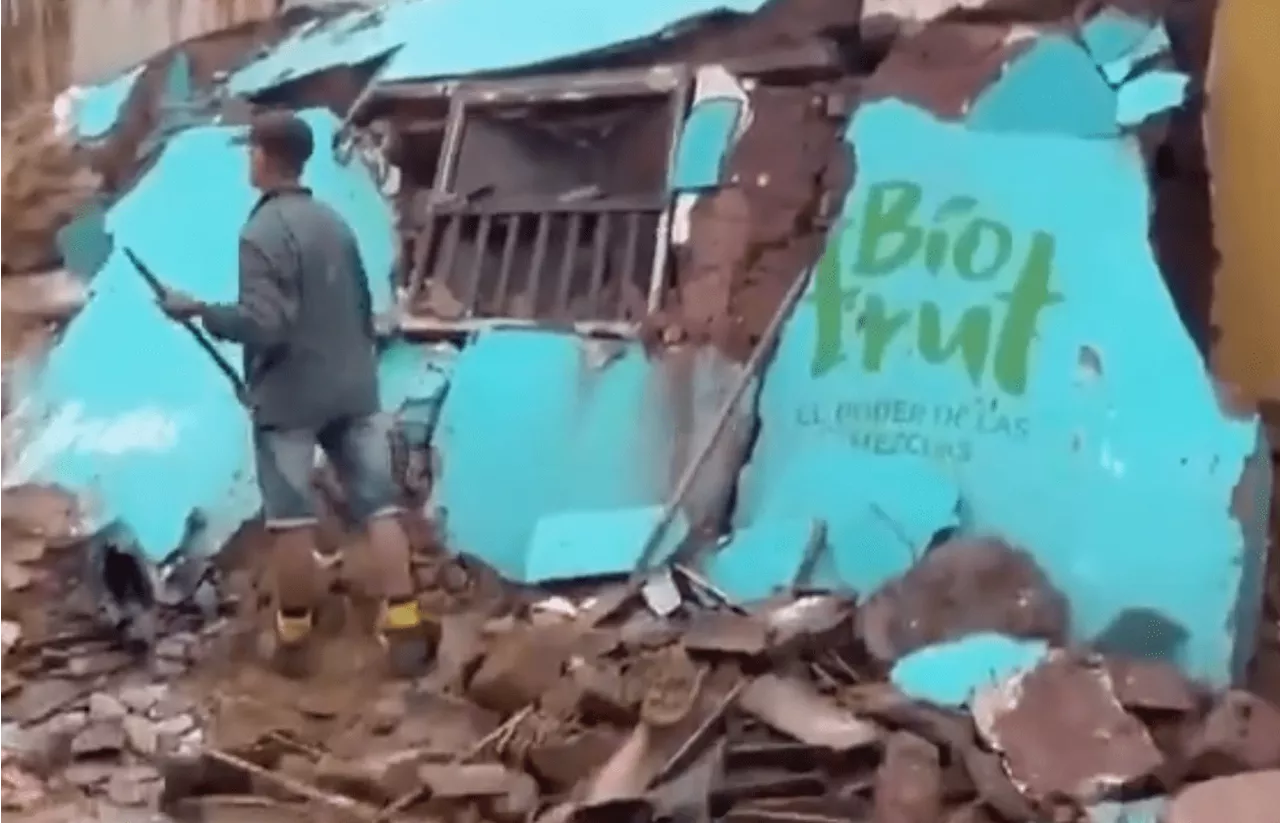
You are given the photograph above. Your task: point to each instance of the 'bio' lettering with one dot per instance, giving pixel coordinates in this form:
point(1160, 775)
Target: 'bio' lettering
point(957, 243)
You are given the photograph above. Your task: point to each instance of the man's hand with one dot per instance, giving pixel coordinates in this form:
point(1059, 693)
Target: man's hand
point(180, 306)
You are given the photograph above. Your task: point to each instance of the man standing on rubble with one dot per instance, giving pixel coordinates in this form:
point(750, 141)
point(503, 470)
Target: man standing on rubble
point(305, 318)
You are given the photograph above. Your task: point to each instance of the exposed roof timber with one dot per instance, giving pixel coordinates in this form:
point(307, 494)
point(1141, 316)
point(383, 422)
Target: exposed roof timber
point(422, 327)
point(818, 55)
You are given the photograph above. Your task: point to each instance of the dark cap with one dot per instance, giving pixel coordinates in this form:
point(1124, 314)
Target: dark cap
point(283, 136)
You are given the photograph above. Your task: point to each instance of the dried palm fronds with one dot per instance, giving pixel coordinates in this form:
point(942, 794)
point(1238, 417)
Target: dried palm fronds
point(46, 182)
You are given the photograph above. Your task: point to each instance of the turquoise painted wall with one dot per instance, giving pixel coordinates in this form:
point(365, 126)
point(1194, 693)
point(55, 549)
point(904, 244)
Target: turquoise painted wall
point(988, 326)
point(1071, 414)
point(137, 419)
point(541, 424)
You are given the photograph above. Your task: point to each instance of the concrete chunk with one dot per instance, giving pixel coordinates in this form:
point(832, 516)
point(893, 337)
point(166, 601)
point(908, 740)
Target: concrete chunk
point(1241, 798)
point(795, 708)
point(1063, 733)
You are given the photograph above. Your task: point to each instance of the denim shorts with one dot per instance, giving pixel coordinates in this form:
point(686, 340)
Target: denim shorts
point(359, 449)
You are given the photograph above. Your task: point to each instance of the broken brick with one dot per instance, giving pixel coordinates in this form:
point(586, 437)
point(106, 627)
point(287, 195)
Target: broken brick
point(1151, 685)
point(972, 813)
point(98, 739)
point(624, 775)
point(443, 723)
point(1241, 732)
point(517, 804)
point(134, 786)
point(1241, 798)
point(36, 704)
point(1062, 732)
point(520, 667)
point(812, 621)
point(908, 786)
point(795, 708)
point(562, 763)
point(673, 684)
point(461, 647)
point(448, 781)
point(959, 588)
point(727, 632)
point(604, 695)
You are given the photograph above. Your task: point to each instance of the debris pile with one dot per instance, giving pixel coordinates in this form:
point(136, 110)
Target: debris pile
point(47, 180)
point(947, 695)
point(101, 741)
point(665, 701)
point(93, 724)
point(85, 714)
point(36, 519)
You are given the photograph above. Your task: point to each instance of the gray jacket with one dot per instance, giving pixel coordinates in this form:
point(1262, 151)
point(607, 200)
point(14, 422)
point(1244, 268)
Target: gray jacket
point(304, 315)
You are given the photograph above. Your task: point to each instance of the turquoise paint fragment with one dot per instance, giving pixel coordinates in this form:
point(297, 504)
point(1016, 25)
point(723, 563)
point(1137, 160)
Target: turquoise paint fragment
point(760, 560)
point(453, 38)
point(99, 106)
point(880, 514)
point(1052, 87)
point(704, 143)
point(413, 373)
point(1156, 42)
point(1111, 34)
point(84, 244)
point(534, 425)
point(141, 424)
point(1148, 810)
point(575, 545)
point(412, 381)
point(1080, 466)
point(179, 87)
point(949, 674)
point(180, 105)
point(1149, 94)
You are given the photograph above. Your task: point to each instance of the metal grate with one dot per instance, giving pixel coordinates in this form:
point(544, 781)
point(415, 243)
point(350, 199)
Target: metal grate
point(582, 255)
point(530, 258)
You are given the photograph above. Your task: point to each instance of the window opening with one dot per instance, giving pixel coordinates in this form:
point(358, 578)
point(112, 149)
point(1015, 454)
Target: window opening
point(550, 200)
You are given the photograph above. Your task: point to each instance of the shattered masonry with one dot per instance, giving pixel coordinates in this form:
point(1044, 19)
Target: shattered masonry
point(977, 422)
point(764, 188)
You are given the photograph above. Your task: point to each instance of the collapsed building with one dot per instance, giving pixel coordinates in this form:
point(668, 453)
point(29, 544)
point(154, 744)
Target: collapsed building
point(787, 293)
point(592, 249)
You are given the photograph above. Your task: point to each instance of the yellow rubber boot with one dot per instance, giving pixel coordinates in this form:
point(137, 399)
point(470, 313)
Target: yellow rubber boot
point(292, 655)
point(410, 640)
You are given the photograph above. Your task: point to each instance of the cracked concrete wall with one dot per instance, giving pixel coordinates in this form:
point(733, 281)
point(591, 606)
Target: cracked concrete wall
point(127, 411)
point(547, 440)
point(989, 343)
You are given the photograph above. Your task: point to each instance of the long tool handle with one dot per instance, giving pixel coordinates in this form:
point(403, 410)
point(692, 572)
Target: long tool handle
point(750, 370)
point(201, 339)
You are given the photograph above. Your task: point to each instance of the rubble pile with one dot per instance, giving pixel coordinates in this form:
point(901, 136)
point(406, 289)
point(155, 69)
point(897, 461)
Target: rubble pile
point(80, 714)
point(105, 741)
point(85, 714)
point(47, 180)
point(664, 701)
point(947, 696)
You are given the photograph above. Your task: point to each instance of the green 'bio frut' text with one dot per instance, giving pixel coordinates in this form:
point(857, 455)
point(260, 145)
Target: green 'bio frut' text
point(991, 338)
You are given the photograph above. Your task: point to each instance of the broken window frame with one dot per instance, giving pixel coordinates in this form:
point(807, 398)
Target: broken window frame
point(673, 81)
